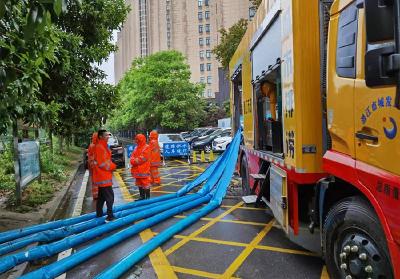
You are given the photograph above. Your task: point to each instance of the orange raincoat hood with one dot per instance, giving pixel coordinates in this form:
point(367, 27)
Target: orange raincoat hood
point(154, 135)
point(140, 140)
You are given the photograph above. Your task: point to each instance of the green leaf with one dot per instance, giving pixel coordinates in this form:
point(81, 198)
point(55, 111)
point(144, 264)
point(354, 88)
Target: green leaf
point(2, 8)
point(58, 5)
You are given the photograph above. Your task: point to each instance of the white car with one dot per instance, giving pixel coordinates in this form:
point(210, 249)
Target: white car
point(112, 140)
point(220, 144)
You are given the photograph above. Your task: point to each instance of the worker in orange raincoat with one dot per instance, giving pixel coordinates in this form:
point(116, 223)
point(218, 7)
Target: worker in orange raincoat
point(140, 162)
point(90, 153)
point(155, 158)
point(102, 175)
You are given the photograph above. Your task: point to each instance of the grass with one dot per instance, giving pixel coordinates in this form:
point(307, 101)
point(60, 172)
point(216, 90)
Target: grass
point(56, 169)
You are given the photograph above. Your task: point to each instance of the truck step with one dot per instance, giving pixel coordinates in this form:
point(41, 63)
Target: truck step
point(249, 199)
point(258, 176)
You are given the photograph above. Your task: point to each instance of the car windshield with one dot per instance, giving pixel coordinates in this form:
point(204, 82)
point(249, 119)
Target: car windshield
point(171, 137)
point(216, 133)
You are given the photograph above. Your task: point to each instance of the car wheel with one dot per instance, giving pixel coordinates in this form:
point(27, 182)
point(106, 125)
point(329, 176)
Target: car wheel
point(354, 243)
point(244, 173)
point(207, 148)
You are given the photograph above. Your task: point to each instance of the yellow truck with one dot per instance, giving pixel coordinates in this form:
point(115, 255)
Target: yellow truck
point(316, 86)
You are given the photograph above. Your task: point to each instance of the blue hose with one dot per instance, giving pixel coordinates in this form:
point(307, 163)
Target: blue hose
point(118, 269)
point(52, 235)
point(18, 233)
point(51, 249)
point(55, 269)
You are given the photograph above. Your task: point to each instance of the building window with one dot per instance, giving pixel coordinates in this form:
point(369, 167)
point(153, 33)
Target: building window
point(206, 2)
point(201, 53)
point(252, 12)
point(208, 28)
point(200, 28)
point(143, 27)
point(208, 53)
point(208, 41)
point(201, 42)
point(200, 15)
point(208, 66)
point(200, 3)
point(201, 67)
point(207, 15)
point(209, 95)
point(202, 79)
point(209, 79)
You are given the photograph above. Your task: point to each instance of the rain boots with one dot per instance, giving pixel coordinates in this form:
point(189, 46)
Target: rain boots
point(142, 194)
point(147, 193)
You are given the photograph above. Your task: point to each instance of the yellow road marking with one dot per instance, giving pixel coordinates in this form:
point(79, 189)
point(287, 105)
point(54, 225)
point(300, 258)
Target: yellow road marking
point(161, 265)
point(158, 259)
point(202, 229)
point(197, 272)
point(125, 192)
point(324, 273)
point(227, 221)
point(247, 208)
point(191, 166)
point(240, 244)
point(246, 252)
point(284, 250)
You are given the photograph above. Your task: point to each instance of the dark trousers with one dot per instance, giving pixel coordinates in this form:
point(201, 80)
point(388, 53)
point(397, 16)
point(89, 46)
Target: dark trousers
point(106, 194)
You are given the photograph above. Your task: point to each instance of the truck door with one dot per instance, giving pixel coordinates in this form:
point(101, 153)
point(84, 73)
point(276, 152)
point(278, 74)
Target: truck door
point(377, 121)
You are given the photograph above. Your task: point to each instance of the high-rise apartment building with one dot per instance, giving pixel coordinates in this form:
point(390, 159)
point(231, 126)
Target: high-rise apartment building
point(189, 26)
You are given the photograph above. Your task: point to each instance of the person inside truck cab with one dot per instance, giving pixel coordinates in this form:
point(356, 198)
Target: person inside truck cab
point(268, 90)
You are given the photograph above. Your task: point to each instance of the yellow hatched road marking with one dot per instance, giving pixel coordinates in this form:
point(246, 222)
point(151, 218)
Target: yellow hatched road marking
point(324, 273)
point(197, 272)
point(246, 252)
point(158, 259)
point(284, 250)
point(240, 244)
point(226, 221)
point(191, 166)
point(202, 229)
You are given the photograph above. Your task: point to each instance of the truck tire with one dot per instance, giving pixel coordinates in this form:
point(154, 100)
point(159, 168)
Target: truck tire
point(354, 243)
point(244, 173)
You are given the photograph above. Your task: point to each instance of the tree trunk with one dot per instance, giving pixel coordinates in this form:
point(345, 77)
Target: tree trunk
point(60, 145)
point(51, 142)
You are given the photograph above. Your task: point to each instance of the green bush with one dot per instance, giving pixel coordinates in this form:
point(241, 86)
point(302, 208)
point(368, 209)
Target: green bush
point(7, 182)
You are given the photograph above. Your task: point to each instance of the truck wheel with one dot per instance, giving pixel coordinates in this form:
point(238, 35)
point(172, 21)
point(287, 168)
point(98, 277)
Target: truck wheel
point(244, 173)
point(354, 243)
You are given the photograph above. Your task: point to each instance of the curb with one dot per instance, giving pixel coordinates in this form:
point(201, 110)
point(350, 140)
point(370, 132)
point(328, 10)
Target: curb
point(57, 202)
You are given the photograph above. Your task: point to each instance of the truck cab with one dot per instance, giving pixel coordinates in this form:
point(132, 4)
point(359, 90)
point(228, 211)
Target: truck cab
point(316, 86)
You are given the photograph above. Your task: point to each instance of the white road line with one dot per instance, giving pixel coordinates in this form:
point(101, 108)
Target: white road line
point(77, 211)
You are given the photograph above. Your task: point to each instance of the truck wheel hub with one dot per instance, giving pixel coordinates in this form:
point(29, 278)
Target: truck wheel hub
point(359, 257)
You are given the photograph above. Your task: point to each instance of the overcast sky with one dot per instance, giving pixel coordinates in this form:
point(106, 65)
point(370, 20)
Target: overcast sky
point(108, 66)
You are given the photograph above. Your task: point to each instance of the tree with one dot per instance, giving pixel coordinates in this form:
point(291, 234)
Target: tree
point(229, 42)
point(212, 114)
point(28, 40)
point(75, 82)
point(157, 93)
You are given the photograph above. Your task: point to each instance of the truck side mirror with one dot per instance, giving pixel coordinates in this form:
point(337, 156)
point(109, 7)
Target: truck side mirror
point(380, 23)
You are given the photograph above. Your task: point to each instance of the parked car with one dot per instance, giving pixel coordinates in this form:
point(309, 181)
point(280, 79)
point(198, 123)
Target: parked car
point(185, 134)
point(202, 132)
point(220, 144)
point(165, 138)
point(112, 140)
point(205, 143)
